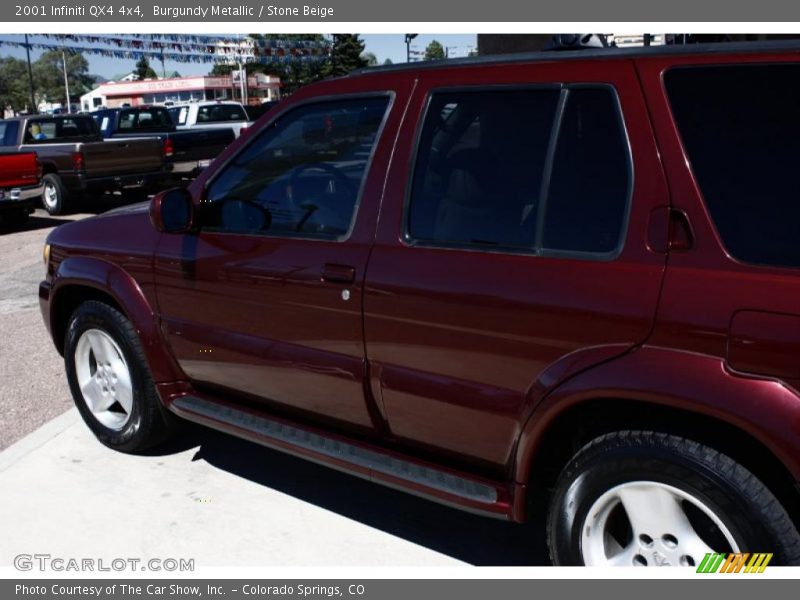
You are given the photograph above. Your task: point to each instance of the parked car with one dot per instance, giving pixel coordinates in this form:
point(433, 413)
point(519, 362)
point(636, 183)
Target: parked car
point(189, 152)
point(20, 185)
point(212, 114)
point(549, 282)
point(77, 162)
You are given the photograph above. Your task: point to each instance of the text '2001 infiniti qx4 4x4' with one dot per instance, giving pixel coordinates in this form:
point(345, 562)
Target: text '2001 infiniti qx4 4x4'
point(508, 284)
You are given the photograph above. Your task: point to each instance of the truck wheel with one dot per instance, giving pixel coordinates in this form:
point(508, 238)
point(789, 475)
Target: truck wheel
point(641, 498)
point(54, 194)
point(110, 381)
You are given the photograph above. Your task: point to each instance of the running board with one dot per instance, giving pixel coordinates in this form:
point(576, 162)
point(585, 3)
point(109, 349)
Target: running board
point(369, 462)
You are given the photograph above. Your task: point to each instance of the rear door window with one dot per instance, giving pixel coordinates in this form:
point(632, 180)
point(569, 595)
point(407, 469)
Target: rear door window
point(740, 127)
point(539, 170)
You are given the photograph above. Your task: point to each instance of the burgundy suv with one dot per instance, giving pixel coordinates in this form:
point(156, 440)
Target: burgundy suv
point(570, 276)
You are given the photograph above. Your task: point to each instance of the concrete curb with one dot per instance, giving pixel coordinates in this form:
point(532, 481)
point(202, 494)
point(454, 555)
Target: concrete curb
point(38, 438)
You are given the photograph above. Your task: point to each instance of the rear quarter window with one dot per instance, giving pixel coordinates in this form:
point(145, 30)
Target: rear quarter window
point(740, 127)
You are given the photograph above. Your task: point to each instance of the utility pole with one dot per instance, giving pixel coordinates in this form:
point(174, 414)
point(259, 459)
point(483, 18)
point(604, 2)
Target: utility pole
point(66, 79)
point(242, 74)
point(409, 37)
point(33, 108)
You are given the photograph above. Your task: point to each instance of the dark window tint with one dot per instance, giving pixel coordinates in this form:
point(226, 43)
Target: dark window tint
point(61, 129)
point(302, 175)
point(741, 129)
point(479, 169)
point(8, 133)
point(588, 193)
point(489, 172)
point(220, 112)
point(179, 114)
point(144, 119)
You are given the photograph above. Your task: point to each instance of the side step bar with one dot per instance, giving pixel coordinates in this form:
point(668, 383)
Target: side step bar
point(369, 462)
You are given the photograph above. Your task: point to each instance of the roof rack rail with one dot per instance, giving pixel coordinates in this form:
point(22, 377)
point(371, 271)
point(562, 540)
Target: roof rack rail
point(576, 41)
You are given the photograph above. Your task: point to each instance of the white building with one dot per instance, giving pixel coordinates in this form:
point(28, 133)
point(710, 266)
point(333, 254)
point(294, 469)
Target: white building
point(260, 88)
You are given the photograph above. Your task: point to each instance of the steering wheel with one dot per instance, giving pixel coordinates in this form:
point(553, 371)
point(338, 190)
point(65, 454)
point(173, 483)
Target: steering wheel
point(335, 172)
point(309, 207)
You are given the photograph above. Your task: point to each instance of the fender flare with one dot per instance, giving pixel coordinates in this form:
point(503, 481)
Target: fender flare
point(110, 279)
point(766, 409)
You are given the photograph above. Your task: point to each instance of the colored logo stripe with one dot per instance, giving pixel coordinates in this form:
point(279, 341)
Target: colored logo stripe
point(714, 562)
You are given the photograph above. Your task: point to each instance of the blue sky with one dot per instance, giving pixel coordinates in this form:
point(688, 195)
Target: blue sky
point(384, 46)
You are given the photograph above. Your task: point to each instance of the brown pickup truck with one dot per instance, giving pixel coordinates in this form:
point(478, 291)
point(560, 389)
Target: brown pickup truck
point(77, 162)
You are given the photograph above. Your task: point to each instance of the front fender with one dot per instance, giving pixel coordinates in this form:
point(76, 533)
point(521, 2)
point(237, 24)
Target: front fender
point(766, 409)
point(108, 278)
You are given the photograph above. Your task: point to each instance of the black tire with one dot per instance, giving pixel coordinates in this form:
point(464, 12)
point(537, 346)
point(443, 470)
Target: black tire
point(753, 515)
point(55, 196)
point(149, 422)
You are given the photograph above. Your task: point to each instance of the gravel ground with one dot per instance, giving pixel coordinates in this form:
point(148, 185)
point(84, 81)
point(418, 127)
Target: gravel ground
point(33, 387)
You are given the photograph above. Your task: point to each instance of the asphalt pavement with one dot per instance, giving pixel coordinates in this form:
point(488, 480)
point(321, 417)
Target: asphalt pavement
point(205, 496)
point(33, 387)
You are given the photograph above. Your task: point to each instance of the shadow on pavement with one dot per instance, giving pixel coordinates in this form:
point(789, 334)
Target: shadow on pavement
point(34, 222)
point(469, 538)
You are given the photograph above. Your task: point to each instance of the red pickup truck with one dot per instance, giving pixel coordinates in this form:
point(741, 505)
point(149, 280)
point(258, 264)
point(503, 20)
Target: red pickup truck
point(557, 282)
point(20, 186)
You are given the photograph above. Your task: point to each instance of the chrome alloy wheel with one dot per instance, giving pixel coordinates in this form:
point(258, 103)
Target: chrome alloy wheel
point(104, 378)
point(647, 523)
point(50, 195)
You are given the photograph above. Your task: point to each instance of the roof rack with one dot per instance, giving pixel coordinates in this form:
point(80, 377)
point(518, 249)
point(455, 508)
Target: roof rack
point(591, 53)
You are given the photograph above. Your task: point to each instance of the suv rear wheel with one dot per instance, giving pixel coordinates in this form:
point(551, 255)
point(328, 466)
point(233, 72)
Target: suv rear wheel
point(641, 498)
point(110, 381)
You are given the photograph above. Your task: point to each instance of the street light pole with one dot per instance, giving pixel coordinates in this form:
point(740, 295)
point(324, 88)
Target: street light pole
point(409, 37)
point(66, 79)
point(242, 74)
point(30, 74)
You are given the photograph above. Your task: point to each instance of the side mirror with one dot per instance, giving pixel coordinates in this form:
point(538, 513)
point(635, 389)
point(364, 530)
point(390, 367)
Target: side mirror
point(172, 211)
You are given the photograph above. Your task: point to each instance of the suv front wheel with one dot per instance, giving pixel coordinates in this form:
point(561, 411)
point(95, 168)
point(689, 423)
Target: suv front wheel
point(110, 380)
point(642, 498)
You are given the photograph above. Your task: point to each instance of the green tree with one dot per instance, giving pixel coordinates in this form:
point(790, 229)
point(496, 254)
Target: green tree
point(434, 51)
point(371, 59)
point(144, 70)
point(388, 61)
point(221, 69)
point(14, 90)
point(345, 55)
point(48, 76)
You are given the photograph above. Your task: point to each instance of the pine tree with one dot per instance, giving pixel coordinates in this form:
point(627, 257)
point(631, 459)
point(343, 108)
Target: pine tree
point(434, 51)
point(345, 55)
